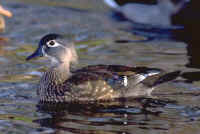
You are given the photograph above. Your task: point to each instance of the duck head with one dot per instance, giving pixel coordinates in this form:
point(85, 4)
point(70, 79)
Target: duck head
point(53, 47)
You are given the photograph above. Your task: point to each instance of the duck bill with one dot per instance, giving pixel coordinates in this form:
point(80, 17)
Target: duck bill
point(5, 12)
point(37, 53)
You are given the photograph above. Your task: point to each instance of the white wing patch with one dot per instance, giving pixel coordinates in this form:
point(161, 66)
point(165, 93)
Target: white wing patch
point(141, 77)
point(125, 81)
point(138, 77)
point(153, 73)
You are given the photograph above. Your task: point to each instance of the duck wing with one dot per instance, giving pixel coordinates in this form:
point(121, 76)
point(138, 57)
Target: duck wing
point(105, 81)
point(114, 72)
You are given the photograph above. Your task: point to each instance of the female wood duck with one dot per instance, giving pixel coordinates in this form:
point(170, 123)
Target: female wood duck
point(5, 13)
point(158, 14)
point(91, 83)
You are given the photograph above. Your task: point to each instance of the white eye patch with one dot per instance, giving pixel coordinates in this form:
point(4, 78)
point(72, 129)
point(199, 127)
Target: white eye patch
point(53, 43)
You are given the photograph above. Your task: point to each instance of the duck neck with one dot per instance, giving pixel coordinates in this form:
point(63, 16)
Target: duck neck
point(50, 81)
point(61, 72)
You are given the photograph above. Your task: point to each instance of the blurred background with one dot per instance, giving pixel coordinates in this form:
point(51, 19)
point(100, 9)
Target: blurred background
point(103, 35)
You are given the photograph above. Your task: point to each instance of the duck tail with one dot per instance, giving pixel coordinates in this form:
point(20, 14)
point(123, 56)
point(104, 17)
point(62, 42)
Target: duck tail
point(111, 3)
point(167, 77)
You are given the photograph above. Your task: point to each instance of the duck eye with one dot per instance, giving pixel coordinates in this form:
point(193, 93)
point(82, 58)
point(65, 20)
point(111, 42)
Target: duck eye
point(51, 43)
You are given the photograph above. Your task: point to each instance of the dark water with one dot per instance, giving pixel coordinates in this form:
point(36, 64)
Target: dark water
point(175, 108)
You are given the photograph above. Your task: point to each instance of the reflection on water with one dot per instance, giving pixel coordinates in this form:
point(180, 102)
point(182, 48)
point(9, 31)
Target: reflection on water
point(175, 107)
point(141, 115)
point(110, 118)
